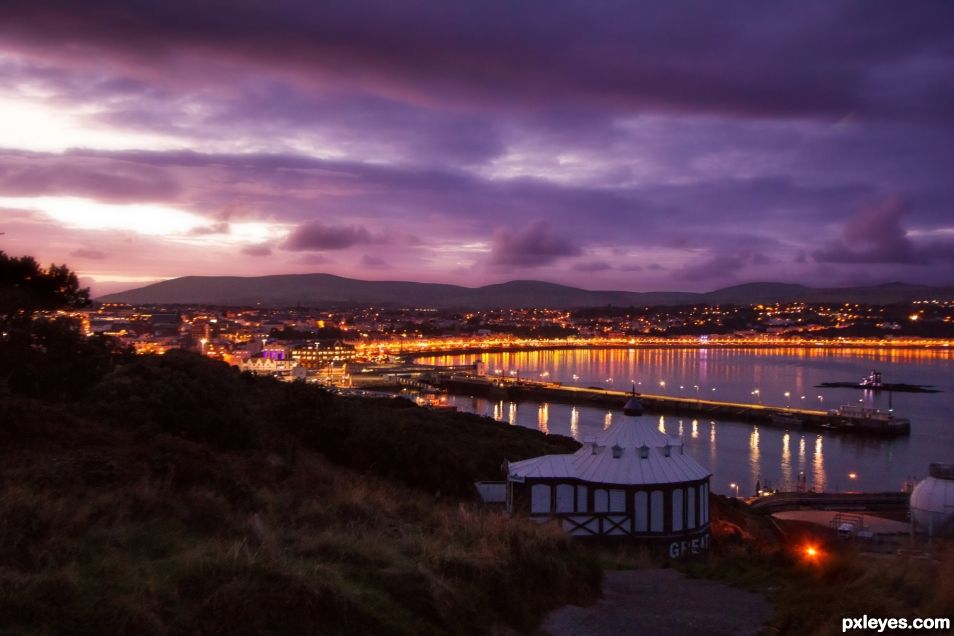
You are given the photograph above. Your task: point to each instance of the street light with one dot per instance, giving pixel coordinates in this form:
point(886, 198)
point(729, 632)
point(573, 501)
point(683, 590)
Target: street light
point(736, 486)
point(821, 403)
point(758, 395)
point(788, 396)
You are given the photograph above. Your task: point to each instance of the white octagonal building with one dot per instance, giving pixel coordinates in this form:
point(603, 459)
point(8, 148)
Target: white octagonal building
point(632, 481)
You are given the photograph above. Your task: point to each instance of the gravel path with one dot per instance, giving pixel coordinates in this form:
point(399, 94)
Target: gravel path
point(662, 601)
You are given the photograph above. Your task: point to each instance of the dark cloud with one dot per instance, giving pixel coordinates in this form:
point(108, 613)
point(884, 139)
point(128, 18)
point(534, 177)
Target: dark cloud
point(373, 261)
point(257, 250)
point(724, 265)
point(736, 57)
point(94, 255)
point(530, 246)
point(102, 178)
point(315, 236)
point(873, 235)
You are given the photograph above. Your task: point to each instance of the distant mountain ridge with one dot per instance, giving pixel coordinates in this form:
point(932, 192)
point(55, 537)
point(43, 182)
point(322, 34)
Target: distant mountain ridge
point(311, 290)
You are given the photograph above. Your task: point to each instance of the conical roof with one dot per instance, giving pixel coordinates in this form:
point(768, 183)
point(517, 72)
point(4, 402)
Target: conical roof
point(630, 451)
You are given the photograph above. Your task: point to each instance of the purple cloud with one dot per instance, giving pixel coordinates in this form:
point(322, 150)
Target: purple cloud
point(373, 262)
point(315, 236)
point(592, 266)
point(873, 235)
point(530, 246)
point(724, 265)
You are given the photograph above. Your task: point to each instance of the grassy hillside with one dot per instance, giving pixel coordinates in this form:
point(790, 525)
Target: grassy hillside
point(176, 496)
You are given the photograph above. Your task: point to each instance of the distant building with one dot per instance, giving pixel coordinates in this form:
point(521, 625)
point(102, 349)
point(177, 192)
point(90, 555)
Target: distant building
point(632, 481)
point(267, 366)
point(323, 353)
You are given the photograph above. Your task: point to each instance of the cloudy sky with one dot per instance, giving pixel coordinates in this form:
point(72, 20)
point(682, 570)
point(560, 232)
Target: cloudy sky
point(625, 145)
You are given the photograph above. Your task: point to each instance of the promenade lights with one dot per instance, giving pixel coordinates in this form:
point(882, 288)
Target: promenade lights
point(736, 486)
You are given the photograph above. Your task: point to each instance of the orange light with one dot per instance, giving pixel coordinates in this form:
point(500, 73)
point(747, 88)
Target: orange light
point(811, 551)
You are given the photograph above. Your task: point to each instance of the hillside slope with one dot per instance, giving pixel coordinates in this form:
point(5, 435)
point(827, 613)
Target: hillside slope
point(180, 497)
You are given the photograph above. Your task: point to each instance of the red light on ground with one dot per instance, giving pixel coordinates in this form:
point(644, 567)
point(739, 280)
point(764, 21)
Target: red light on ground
point(811, 553)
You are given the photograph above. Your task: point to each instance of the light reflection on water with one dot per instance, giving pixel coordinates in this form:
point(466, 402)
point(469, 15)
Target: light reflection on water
point(744, 452)
point(543, 418)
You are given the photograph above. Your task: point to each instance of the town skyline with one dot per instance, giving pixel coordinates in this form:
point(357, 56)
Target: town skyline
point(666, 147)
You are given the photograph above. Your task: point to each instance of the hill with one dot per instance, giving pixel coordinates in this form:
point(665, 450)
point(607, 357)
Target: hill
point(174, 495)
point(312, 290)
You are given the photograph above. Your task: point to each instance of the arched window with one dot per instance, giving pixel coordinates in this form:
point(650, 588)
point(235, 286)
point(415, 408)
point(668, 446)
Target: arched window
point(656, 511)
point(690, 507)
point(600, 501)
point(581, 502)
point(617, 501)
point(564, 498)
point(540, 499)
point(677, 496)
point(642, 511)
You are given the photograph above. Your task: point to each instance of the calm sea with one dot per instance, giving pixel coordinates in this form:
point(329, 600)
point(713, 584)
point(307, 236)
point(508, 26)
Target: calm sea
point(738, 452)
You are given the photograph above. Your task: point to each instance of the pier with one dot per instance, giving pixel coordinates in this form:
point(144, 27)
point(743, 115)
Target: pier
point(858, 501)
point(785, 417)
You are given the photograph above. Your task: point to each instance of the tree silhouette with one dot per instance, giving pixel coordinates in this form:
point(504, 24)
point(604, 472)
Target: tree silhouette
point(26, 288)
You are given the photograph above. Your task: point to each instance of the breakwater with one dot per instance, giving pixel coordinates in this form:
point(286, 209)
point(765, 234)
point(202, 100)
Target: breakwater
point(789, 418)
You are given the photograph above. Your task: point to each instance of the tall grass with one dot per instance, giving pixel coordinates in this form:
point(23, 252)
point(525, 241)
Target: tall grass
point(106, 530)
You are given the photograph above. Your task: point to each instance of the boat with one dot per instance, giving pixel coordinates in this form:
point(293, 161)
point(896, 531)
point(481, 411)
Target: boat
point(435, 402)
point(874, 382)
point(788, 420)
point(853, 416)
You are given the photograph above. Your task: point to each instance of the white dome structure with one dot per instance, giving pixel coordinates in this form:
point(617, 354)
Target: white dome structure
point(932, 501)
point(631, 481)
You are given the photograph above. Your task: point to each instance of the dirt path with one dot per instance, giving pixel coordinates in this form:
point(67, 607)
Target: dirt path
point(662, 601)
